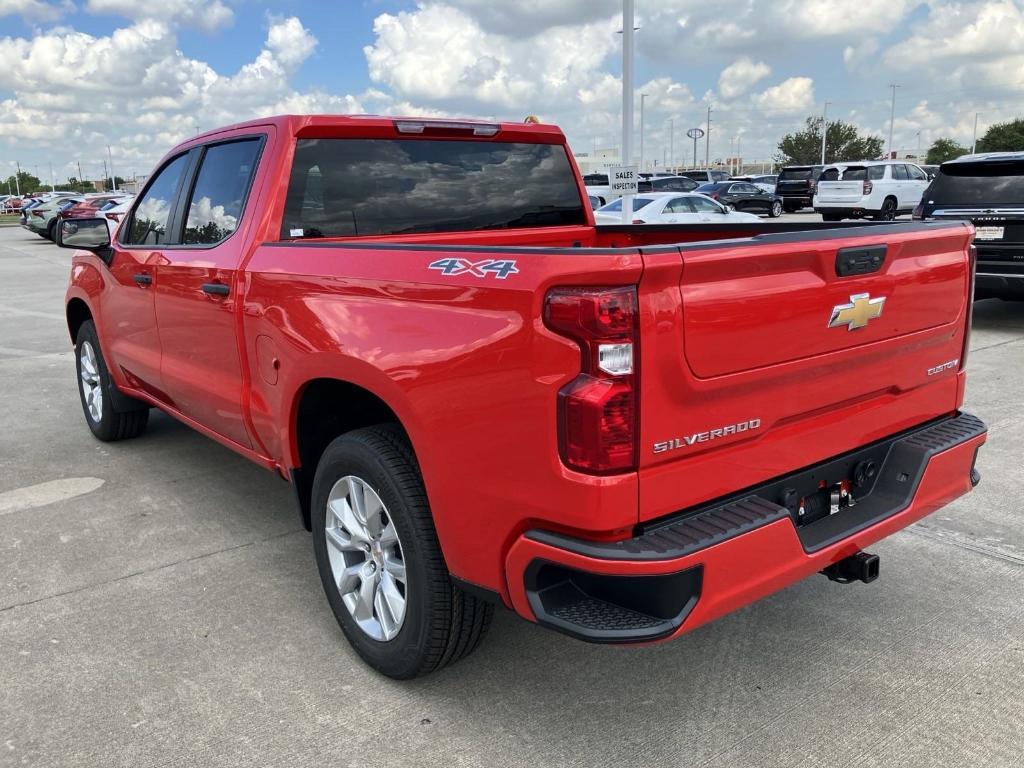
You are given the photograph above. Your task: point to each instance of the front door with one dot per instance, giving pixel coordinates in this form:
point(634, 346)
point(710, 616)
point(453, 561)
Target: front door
point(129, 335)
point(198, 293)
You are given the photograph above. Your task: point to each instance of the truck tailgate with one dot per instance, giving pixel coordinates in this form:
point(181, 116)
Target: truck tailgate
point(764, 356)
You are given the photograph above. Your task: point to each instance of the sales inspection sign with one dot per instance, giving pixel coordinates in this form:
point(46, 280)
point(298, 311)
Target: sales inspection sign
point(622, 179)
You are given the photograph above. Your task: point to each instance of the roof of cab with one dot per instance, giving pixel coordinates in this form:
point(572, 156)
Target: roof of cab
point(381, 126)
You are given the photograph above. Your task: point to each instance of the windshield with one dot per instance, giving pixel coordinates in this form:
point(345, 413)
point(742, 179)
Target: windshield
point(988, 184)
point(354, 187)
point(616, 205)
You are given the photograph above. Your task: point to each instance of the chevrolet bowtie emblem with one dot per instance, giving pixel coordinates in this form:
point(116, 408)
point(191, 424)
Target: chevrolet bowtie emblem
point(858, 312)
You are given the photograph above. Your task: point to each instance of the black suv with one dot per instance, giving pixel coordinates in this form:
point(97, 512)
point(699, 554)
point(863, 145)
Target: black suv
point(796, 184)
point(988, 190)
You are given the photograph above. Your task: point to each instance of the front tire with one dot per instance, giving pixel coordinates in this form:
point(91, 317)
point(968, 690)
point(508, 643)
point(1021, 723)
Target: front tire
point(775, 211)
point(380, 561)
point(100, 401)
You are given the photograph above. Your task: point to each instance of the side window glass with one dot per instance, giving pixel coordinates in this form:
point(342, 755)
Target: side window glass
point(149, 220)
point(916, 173)
point(876, 172)
point(220, 191)
point(704, 205)
point(899, 172)
point(677, 205)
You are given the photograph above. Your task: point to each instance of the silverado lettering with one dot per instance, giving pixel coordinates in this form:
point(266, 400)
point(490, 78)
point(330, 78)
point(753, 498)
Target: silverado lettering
point(703, 437)
point(418, 325)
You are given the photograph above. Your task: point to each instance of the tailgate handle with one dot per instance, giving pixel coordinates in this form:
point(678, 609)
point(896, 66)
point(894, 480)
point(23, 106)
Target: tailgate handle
point(860, 260)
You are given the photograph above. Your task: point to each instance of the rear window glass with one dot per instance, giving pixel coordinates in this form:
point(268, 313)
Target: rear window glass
point(596, 179)
point(353, 187)
point(795, 174)
point(978, 184)
point(638, 203)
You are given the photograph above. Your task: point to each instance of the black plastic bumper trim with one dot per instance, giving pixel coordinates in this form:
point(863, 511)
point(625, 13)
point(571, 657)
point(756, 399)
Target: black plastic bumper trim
point(902, 460)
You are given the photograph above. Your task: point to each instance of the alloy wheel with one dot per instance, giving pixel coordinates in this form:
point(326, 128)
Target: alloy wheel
point(92, 390)
point(366, 559)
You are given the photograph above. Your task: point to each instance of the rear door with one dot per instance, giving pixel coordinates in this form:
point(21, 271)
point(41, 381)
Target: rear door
point(772, 360)
point(198, 292)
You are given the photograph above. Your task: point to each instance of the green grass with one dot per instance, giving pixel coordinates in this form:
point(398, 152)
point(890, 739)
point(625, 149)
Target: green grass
point(8, 219)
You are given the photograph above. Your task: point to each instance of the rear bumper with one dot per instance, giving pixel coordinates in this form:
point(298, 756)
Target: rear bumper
point(693, 567)
point(993, 278)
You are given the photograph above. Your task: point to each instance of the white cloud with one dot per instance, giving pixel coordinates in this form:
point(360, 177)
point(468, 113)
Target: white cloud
point(35, 11)
point(208, 15)
point(864, 52)
point(794, 95)
point(740, 76)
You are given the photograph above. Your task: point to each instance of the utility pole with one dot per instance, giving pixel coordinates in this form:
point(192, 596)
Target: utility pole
point(81, 181)
point(918, 158)
point(628, 7)
point(739, 154)
point(974, 140)
point(732, 154)
point(707, 143)
point(643, 97)
point(113, 178)
point(824, 130)
point(17, 178)
point(672, 141)
point(52, 188)
point(106, 178)
point(892, 118)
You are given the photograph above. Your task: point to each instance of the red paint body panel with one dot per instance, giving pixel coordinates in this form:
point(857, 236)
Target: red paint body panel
point(728, 331)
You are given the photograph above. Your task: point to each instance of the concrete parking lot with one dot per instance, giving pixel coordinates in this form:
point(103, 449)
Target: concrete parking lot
point(159, 605)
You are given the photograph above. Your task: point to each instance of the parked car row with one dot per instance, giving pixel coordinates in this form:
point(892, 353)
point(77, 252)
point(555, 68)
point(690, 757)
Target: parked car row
point(43, 214)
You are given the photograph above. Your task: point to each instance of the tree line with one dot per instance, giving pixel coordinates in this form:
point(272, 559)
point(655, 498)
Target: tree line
point(29, 182)
point(844, 143)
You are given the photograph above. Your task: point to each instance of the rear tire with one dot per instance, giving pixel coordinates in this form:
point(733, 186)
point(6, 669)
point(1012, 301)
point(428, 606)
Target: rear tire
point(888, 212)
point(439, 623)
point(790, 208)
point(51, 231)
point(775, 211)
point(100, 401)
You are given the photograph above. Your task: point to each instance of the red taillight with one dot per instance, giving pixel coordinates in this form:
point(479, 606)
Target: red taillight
point(639, 221)
point(597, 411)
point(868, 186)
point(713, 195)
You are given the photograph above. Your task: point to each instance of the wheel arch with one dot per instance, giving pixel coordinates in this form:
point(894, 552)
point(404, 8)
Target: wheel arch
point(76, 312)
point(323, 409)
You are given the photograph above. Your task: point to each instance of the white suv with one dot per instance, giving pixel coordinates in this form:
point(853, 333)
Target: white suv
point(881, 189)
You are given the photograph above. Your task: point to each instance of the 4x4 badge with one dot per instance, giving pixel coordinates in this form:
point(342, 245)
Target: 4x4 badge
point(861, 309)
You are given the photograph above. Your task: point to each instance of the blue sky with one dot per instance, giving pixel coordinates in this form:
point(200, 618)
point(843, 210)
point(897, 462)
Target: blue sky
point(142, 76)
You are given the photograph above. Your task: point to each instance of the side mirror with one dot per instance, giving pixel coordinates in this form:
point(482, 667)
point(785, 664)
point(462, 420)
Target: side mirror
point(87, 235)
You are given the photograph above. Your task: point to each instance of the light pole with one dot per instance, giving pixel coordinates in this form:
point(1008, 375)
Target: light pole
point(17, 180)
point(672, 141)
point(627, 99)
point(974, 139)
point(643, 97)
point(824, 130)
point(918, 158)
point(113, 178)
point(892, 118)
point(707, 143)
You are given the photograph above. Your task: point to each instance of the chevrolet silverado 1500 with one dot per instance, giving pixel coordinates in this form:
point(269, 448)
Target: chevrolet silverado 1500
point(482, 399)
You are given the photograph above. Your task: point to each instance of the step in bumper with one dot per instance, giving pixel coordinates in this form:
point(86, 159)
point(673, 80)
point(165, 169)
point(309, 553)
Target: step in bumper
point(690, 568)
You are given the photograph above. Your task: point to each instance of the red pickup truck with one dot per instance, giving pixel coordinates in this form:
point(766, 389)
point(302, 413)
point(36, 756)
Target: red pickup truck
point(480, 398)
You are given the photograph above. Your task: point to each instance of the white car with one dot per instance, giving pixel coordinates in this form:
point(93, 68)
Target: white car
point(880, 189)
point(766, 182)
point(114, 213)
point(673, 208)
